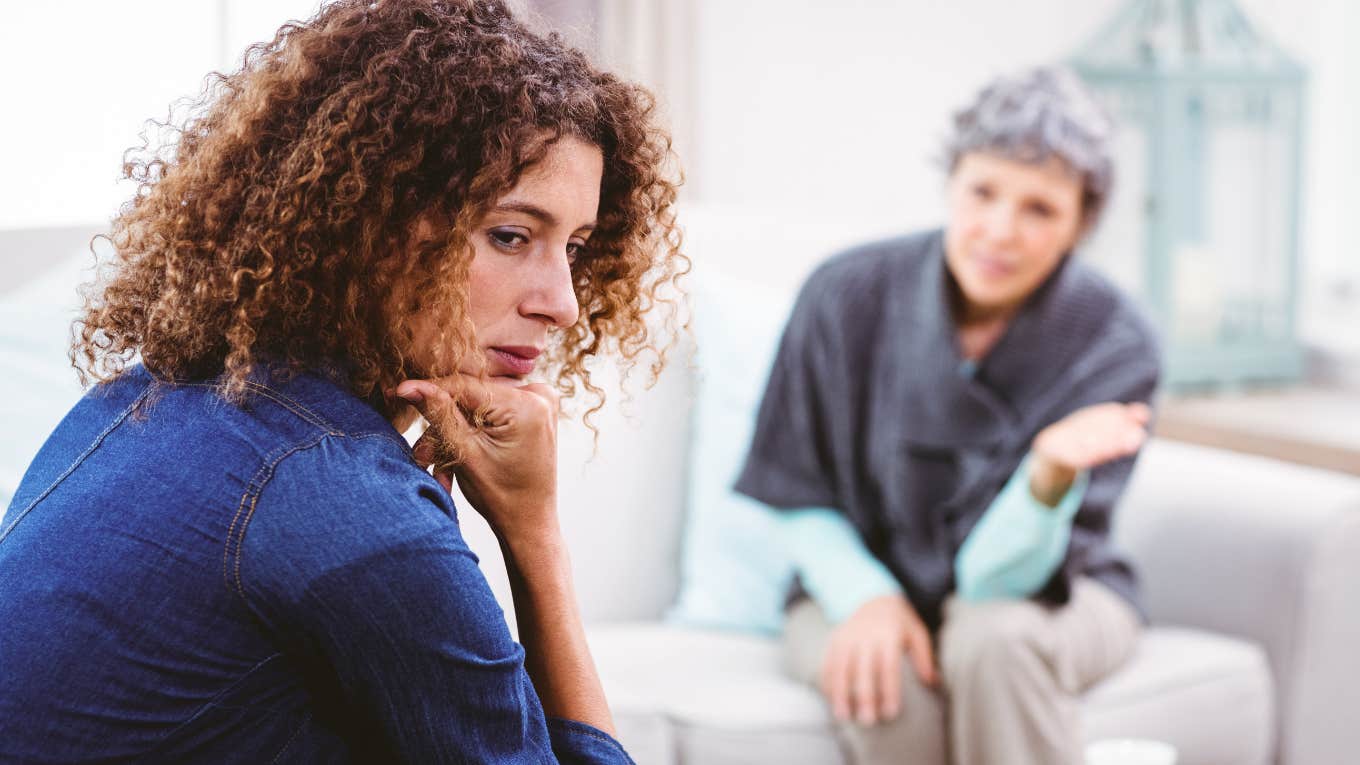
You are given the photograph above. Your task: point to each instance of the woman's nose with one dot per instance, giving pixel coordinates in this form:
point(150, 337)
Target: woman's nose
point(552, 294)
point(1001, 222)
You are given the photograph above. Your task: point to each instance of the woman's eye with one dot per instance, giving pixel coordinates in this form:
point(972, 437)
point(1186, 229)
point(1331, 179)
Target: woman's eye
point(574, 250)
point(982, 192)
point(1041, 210)
point(508, 239)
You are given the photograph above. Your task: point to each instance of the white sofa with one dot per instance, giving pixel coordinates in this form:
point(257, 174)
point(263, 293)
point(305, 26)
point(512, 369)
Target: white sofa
point(1250, 570)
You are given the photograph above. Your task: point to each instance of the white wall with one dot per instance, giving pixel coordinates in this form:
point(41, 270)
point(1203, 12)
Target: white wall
point(817, 108)
point(81, 78)
point(809, 110)
point(835, 111)
point(1331, 236)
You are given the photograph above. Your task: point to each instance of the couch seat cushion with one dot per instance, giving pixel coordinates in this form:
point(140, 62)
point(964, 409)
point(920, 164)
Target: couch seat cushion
point(1208, 694)
point(684, 695)
point(723, 695)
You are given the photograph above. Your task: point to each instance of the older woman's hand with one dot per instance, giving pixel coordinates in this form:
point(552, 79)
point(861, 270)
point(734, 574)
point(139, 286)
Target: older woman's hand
point(862, 673)
point(507, 468)
point(1082, 440)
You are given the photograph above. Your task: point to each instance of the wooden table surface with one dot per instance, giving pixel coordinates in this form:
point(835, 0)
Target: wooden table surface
point(1317, 426)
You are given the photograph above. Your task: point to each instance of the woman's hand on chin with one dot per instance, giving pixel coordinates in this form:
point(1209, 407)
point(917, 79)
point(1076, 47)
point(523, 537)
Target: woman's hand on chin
point(1082, 440)
point(499, 442)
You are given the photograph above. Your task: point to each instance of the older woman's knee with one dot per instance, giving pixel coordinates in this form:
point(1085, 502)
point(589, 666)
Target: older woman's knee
point(989, 637)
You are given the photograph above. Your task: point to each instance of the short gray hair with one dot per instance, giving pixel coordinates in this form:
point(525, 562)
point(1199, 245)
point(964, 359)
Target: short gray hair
point(1041, 114)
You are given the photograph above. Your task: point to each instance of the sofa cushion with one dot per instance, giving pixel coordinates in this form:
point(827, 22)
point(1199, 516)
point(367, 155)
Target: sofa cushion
point(725, 698)
point(723, 694)
point(1208, 694)
point(1266, 551)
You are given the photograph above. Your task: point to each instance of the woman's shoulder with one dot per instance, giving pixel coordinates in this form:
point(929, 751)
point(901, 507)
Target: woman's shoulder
point(359, 480)
point(351, 538)
point(1119, 317)
point(862, 277)
point(338, 501)
point(1105, 337)
point(872, 261)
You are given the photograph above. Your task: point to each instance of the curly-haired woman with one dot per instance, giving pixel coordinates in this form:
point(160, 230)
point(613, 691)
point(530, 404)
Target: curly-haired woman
point(227, 552)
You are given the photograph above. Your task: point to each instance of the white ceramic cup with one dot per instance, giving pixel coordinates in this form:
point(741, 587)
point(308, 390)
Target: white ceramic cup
point(1130, 751)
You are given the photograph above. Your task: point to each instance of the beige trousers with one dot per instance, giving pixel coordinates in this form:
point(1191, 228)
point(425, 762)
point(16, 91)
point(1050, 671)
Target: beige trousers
point(1012, 675)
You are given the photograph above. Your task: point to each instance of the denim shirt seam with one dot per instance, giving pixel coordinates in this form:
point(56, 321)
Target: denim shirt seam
point(295, 406)
point(584, 729)
point(232, 574)
point(283, 400)
point(210, 702)
point(95, 444)
point(397, 440)
point(311, 416)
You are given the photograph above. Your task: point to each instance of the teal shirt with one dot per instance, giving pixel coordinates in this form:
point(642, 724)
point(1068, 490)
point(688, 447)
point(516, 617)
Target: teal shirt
point(1012, 552)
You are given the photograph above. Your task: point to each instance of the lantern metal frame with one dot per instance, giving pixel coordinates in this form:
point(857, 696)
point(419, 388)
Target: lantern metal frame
point(1160, 61)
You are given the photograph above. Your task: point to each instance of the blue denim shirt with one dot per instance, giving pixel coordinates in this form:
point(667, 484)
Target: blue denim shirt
point(185, 580)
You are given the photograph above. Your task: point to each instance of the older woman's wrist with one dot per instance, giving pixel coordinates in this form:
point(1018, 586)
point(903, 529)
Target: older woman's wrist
point(1049, 480)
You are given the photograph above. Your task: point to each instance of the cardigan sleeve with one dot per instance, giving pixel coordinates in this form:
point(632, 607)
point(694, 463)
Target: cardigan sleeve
point(1019, 542)
point(1012, 552)
point(834, 566)
point(1127, 371)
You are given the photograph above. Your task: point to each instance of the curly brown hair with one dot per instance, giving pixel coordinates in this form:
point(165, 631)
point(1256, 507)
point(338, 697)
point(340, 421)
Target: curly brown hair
point(281, 222)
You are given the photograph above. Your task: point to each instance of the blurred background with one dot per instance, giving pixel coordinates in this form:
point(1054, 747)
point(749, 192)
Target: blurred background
point(805, 126)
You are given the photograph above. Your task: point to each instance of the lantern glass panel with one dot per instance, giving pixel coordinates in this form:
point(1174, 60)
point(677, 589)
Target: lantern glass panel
point(1203, 222)
point(1119, 244)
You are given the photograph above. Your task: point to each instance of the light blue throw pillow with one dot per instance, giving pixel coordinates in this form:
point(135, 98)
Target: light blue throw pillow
point(734, 573)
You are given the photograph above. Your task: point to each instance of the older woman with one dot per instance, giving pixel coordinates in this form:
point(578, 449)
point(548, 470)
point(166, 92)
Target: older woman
point(950, 420)
point(227, 552)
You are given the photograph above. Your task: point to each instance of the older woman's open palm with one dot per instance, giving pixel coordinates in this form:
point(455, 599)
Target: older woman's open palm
point(1082, 440)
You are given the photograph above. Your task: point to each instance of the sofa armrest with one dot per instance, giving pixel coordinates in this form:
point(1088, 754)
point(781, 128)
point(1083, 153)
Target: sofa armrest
point(1265, 551)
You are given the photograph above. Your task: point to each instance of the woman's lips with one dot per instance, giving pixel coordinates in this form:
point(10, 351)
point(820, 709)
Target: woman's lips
point(514, 360)
point(993, 268)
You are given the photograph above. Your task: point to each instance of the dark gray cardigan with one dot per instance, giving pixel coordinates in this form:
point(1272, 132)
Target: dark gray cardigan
point(866, 409)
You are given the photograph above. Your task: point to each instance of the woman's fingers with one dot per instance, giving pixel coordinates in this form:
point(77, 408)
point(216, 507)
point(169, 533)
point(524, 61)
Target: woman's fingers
point(890, 680)
point(472, 394)
point(1095, 435)
point(864, 686)
point(432, 401)
point(863, 680)
point(836, 681)
point(437, 407)
point(425, 451)
point(922, 656)
point(448, 404)
point(498, 441)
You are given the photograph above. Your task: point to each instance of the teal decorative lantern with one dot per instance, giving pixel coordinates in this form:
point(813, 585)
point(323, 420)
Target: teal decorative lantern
point(1203, 225)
